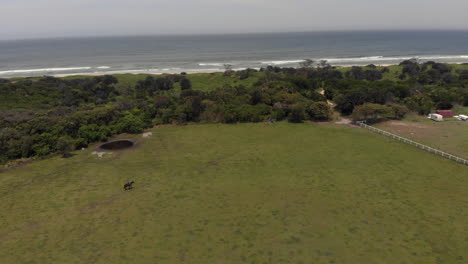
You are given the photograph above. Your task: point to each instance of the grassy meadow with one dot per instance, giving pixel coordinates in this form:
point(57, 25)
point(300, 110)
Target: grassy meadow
point(246, 193)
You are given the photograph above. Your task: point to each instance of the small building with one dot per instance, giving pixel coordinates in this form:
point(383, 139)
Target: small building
point(445, 113)
point(436, 117)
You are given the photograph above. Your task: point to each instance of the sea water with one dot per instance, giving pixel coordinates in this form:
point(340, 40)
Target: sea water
point(207, 53)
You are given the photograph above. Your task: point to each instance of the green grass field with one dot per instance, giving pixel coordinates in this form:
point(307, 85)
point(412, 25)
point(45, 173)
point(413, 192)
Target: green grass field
point(246, 193)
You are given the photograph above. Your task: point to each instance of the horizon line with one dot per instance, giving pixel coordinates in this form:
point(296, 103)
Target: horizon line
point(229, 33)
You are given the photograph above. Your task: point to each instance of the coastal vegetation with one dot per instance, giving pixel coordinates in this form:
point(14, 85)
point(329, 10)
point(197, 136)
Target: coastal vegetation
point(38, 113)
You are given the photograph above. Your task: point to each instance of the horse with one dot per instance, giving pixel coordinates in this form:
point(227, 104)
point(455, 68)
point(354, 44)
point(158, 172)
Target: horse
point(128, 185)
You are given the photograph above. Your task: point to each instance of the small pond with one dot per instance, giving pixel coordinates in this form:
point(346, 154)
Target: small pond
point(117, 145)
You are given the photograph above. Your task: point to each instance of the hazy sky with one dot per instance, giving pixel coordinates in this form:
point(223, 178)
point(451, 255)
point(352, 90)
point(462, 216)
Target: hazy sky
point(55, 18)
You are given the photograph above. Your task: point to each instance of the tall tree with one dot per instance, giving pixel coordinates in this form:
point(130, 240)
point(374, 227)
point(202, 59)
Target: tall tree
point(185, 84)
point(307, 63)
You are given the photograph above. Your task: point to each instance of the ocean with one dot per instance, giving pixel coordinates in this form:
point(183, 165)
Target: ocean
point(208, 53)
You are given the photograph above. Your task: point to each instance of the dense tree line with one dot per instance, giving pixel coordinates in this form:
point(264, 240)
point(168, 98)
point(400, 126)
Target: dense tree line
point(50, 92)
point(420, 88)
point(59, 115)
point(51, 115)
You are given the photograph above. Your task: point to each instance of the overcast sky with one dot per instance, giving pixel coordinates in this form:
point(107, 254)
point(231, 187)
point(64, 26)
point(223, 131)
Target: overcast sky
point(63, 18)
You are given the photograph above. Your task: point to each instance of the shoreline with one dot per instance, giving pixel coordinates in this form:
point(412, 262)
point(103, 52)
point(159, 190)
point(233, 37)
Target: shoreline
point(174, 72)
point(138, 72)
point(114, 73)
point(199, 72)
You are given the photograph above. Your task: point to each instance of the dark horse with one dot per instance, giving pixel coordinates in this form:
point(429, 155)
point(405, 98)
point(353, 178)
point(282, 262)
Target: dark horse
point(128, 185)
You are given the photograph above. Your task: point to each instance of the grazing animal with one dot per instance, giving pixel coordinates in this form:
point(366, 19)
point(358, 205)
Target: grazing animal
point(128, 185)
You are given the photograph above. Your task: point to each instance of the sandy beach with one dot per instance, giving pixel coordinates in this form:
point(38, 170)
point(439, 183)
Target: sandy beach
point(187, 72)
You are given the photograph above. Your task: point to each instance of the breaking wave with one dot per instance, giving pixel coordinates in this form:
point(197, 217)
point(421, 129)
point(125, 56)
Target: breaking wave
point(45, 70)
point(374, 59)
point(219, 66)
point(371, 59)
point(281, 62)
point(211, 64)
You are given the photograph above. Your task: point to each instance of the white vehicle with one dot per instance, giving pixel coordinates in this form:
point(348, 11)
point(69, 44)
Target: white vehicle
point(436, 117)
point(462, 117)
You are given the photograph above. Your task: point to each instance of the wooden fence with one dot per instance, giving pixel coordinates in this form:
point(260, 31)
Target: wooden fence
point(416, 144)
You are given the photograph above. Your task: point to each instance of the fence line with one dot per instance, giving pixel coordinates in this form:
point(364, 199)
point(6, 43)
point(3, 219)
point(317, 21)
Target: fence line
point(413, 143)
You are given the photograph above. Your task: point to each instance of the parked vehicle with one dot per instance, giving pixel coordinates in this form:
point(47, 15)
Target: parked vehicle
point(462, 117)
point(436, 117)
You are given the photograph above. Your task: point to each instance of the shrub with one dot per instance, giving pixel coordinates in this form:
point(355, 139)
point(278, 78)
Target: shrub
point(371, 112)
point(185, 84)
point(65, 145)
point(212, 113)
point(297, 113)
point(244, 74)
point(167, 115)
point(129, 124)
point(162, 101)
point(253, 113)
point(398, 111)
point(420, 104)
point(278, 114)
point(230, 114)
point(319, 111)
point(181, 114)
point(44, 144)
point(81, 143)
point(93, 132)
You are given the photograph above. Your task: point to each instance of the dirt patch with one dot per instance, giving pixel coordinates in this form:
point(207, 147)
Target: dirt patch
point(344, 121)
point(147, 134)
point(330, 103)
point(100, 154)
point(122, 144)
point(405, 124)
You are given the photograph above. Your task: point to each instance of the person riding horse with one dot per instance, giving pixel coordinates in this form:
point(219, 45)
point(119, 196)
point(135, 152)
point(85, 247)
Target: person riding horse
point(128, 185)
